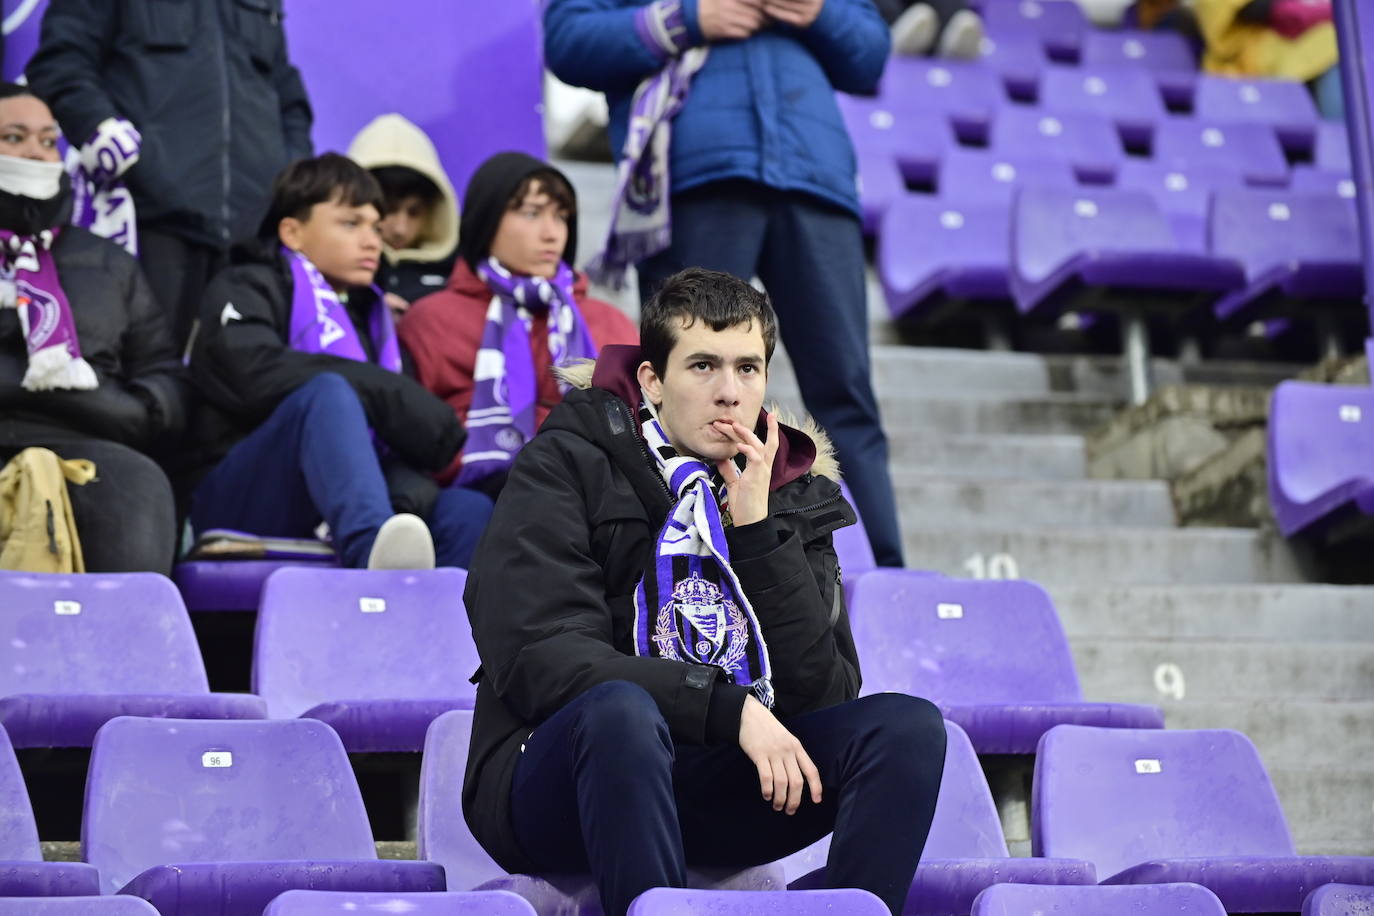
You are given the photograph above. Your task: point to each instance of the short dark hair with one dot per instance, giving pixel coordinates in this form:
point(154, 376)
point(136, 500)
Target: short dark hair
point(551, 183)
point(14, 90)
point(400, 183)
point(719, 299)
point(325, 178)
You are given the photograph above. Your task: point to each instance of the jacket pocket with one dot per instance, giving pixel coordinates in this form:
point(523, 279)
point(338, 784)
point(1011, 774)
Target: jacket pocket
point(257, 23)
point(160, 25)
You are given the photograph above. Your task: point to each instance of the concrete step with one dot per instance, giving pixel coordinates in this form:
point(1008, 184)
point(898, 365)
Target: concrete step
point(974, 413)
point(1306, 613)
point(1153, 670)
point(988, 456)
point(1330, 812)
point(1119, 556)
point(1082, 503)
point(1288, 732)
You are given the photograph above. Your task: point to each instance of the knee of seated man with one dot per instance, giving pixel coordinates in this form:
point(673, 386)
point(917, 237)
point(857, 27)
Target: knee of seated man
point(619, 711)
point(328, 388)
point(906, 723)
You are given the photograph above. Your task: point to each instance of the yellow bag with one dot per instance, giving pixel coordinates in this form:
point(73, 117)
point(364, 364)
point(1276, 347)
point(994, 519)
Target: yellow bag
point(37, 530)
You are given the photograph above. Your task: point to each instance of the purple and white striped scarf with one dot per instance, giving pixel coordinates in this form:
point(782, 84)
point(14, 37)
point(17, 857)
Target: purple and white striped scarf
point(320, 324)
point(505, 391)
point(45, 315)
point(100, 201)
point(690, 607)
point(641, 222)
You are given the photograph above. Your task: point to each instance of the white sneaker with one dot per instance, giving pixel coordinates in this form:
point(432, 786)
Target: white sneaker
point(403, 542)
point(963, 36)
point(914, 31)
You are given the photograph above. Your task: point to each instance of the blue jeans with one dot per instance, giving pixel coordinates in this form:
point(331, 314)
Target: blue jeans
point(601, 787)
point(1329, 95)
point(810, 258)
point(312, 460)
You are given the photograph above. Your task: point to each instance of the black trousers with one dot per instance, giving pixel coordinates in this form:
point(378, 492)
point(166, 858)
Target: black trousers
point(602, 787)
point(944, 9)
point(810, 258)
point(125, 517)
point(178, 272)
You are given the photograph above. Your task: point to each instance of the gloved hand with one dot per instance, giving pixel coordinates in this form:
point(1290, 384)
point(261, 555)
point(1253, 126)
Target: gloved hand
point(1290, 18)
point(111, 150)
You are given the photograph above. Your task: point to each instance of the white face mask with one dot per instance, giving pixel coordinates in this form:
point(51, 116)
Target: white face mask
point(30, 177)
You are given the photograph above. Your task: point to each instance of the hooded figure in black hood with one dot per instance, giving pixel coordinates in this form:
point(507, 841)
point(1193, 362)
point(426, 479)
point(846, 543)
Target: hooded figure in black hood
point(87, 366)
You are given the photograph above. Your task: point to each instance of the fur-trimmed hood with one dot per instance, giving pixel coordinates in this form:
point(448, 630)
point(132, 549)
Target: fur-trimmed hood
point(580, 374)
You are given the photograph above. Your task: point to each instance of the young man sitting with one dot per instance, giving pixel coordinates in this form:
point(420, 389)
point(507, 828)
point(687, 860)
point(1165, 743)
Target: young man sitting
point(310, 415)
point(668, 676)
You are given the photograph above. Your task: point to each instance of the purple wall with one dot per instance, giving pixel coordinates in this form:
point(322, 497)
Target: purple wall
point(469, 72)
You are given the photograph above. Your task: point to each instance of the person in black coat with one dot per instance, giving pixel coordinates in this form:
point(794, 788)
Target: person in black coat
point(308, 412)
point(219, 107)
point(87, 367)
point(668, 676)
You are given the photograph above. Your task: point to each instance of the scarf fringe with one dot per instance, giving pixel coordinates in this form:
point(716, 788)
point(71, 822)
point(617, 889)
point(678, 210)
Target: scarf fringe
point(54, 368)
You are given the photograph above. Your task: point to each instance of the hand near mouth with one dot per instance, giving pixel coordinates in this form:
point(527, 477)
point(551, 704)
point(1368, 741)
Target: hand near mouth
point(748, 490)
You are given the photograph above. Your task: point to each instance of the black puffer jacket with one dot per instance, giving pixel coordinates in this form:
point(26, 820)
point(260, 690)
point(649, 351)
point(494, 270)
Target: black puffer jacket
point(206, 82)
point(143, 394)
point(242, 366)
point(551, 591)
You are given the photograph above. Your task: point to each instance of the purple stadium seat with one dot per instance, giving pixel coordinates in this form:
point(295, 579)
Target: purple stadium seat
point(230, 585)
point(23, 873)
point(1332, 148)
point(1184, 197)
point(78, 650)
point(433, 903)
point(1339, 900)
point(1098, 900)
point(1321, 438)
point(965, 851)
point(1158, 807)
point(915, 137)
point(75, 906)
point(1322, 181)
point(1164, 54)
point(1126, 95)
point(444, 837)
point(967, 92)
point(672, 901)
point(880, 183)
point(933, 253)
point(1191, 143)
point(378, 654)
point(1060, 24)
point(1017, 57)
point(196, 816)
point(970, 176)
point(1298, 249)
point(1284, 105)
point(1089, 142)
point(851, 545)
point(990, 653)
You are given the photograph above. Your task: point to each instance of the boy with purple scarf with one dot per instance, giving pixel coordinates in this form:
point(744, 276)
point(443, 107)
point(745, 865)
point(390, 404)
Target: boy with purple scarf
point(668, 676)
point(310, 417)
point(733, 156)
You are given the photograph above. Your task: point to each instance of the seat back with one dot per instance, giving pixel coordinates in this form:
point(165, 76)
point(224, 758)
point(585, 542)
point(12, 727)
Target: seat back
point(165, 791)
point(96, 633)
point(967, 91)
point(966, 824)
point(1125, 94)
point(672, 901)
point(1195, 143)
point(1052, 225)
point(1320, 438)
point(1318, 180)
point(1185, 197)
point(1118, 797)
point(76, 906)
point(1086, 140)
point(357, 634)
point(444, 836)
point(1155, 51)
point(961, 640)
point(1284, 105)
point(1332, 148)
point(1059, 24)
point(18, 832)
point(1264, 229)
point(1097, 900)
point(1339, 900)
point(430, 903)
point(851, 543)
point(983, 177)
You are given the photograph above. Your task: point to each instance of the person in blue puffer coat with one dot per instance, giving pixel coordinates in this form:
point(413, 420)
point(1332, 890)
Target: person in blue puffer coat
point(733, 157)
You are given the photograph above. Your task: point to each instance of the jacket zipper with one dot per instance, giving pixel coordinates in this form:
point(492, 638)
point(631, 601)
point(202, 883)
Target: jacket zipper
point(644, 448)
point(798, 509)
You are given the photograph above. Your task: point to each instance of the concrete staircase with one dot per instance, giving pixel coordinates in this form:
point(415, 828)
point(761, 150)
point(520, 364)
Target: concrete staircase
point(1225, 628)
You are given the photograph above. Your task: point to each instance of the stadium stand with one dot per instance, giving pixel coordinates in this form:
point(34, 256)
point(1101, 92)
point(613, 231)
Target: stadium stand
point(330, 903)
point(23, 873)
point(1147, 900)
point(1338, 900)
point(75, 906)
point(664, 901)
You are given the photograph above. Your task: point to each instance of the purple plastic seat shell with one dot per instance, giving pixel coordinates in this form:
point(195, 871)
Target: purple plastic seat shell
point(1086, 140)
point(433, 903)
point(912, 136)
point(672, 901)
point(1060, 24)
point(968, 177)
point(1322, 181)
point(1339, 900)
point(1098, 794)
point(182, 812)
point(78, 650)
point(75, 906)
point(1284, 105)
point(965, 851)
point(1126, 95)
point(1142, 900)
point(1184, 196)
point(376, 653)
point(1164, 54)
point(1018, 57)
point(1190, 143)
point(1331, 151)
point(1320, 439)
point(931, 250)
point(968, 93)
point(852, 548)
point(230, 585)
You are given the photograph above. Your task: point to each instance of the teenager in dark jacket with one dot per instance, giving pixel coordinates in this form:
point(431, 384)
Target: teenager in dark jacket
point(733, 156)
point(668, 676)
point(219, 107)
point(87, 367)
point(310, 413)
